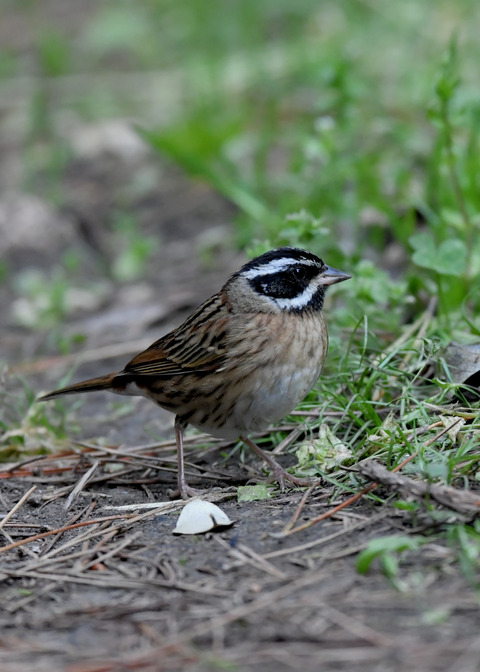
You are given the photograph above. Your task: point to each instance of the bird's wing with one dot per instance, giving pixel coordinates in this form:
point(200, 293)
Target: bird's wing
point(197, 346)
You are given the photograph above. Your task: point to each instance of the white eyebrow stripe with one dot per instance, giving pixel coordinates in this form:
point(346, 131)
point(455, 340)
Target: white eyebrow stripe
point(275, 266)
point(299, 301)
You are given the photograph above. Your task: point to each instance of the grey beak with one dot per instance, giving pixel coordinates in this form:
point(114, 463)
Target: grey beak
point(330, 276)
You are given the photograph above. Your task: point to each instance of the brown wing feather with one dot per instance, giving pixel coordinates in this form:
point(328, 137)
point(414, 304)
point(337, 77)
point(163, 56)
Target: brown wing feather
point(198, 345)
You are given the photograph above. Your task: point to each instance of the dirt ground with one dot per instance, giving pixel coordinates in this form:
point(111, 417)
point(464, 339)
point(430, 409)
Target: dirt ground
point(117, 590)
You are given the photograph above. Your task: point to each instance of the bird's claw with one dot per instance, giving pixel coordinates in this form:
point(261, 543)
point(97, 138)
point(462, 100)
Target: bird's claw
point(185, 492)
point(280, 475)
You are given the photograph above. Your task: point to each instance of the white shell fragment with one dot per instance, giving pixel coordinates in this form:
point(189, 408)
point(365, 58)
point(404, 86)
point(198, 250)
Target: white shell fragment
point(200, 516)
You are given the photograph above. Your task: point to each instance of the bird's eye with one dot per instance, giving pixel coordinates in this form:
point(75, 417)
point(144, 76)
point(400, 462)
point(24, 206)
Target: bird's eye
point(299, 272)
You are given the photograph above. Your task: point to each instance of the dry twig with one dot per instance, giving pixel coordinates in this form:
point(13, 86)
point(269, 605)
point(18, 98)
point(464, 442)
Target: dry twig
point(458, 500)
point(17, 506)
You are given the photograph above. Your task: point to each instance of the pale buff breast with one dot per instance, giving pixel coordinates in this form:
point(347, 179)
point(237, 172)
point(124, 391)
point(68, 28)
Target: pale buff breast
point(282, 359)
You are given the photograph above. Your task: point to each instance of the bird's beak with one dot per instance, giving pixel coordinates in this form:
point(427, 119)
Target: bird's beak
point(330, 276)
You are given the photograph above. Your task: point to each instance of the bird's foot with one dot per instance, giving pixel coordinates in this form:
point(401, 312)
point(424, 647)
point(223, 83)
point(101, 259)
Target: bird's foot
point(185, 492)
point(280, 475)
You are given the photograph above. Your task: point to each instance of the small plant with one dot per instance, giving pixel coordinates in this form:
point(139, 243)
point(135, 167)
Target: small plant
point(448, 247)
point(45, 300)
point(28, 428)
point(135, 250)
point(386, 550)
point(465, 540)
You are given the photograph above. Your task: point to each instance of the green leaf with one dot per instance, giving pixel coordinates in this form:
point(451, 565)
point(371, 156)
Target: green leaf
point(406, 506)
point(448, 81)
point(253, 493)
point(389, 565)
point(383, 548)
point(448, 258)
point(326, 453)
point(201, 151)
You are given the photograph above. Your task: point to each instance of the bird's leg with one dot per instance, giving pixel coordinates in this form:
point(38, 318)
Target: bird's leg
point(278, 472)
point(184, 490)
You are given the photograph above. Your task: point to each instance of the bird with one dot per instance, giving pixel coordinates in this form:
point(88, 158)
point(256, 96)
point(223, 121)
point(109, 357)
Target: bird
point(242, 360)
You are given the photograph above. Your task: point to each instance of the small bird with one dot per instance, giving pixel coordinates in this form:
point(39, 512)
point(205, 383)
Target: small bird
point(242, 360)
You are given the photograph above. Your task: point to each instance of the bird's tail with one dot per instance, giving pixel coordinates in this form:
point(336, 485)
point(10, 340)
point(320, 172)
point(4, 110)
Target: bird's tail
point(91, 385)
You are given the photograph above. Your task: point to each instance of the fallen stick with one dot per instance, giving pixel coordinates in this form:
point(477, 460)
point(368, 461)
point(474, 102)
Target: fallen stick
point(462, 501)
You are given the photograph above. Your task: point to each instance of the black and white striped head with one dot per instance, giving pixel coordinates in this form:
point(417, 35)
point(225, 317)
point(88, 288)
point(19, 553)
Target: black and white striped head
point(285, 279)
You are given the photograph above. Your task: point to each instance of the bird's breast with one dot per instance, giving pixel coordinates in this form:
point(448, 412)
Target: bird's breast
point(273, 363)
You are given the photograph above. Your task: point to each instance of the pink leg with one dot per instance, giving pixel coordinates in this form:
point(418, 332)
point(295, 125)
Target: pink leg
point(184, 490)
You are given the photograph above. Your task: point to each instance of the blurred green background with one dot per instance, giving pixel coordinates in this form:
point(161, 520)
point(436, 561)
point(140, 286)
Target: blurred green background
point(350, 127)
